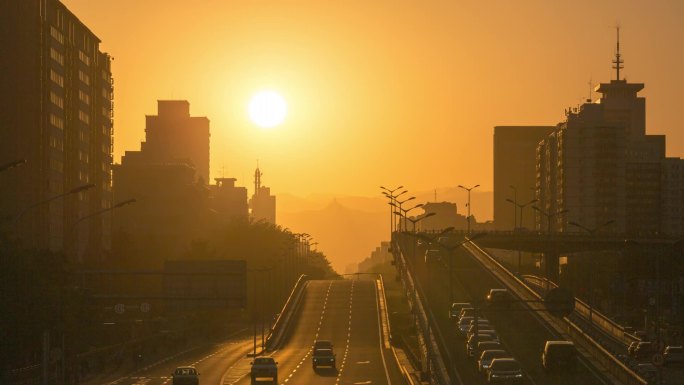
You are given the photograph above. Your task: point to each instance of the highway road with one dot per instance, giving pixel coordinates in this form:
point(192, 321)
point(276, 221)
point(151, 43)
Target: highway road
point(346, 313)
point(521, 332)
point(342, 311)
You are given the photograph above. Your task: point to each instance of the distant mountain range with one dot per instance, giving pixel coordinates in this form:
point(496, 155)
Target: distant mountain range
point(349, 228)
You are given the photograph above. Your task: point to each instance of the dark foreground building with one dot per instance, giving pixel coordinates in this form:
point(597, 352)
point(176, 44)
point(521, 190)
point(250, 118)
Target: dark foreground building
point(56, 114)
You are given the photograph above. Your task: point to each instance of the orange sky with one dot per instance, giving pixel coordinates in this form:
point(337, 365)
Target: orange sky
point(379, 92)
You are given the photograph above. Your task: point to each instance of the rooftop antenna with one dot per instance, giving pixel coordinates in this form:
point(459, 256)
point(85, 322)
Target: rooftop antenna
point(435, 195)
point(590, 90)
point(618, 62)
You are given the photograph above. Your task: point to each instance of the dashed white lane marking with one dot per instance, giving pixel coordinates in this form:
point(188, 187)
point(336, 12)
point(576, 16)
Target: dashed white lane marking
point(349, 329)
point(318, 329)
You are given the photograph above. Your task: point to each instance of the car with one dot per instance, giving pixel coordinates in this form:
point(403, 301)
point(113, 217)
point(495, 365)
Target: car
point(488, 345)
point(464, 325)
point(644, 349)
point(505, 371)
point(481, 328)
point(185, 375)
point(323, 357)
point(264, 370)
point(480, 321)
point(499, 297)
point(456, 307)
point(491, 332)
point(631, 347)
point(471, 345)
point(559, 356)
point(322, 344)
point(487, 356)
point(432, 255)
point(674, 355)
point(466, 312)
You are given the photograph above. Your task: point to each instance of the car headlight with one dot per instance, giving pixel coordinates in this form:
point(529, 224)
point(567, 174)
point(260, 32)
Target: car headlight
point(495, 375)
point(519, 375)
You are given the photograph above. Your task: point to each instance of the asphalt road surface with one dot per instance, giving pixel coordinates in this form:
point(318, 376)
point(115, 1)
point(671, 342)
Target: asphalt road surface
point(345, 312)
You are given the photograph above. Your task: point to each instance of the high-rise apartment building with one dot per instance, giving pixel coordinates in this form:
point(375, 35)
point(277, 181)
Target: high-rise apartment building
point(164, 177)
point(56, 114)
point(173, 136)
point(514, 172)
point(672, 197)
point(601, 167)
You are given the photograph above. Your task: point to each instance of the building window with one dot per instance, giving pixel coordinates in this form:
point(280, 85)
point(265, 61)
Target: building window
point(57, 78)
point(83, 156)
point(84, 58)
point(84, 97)
point(56, 143)
point(84, 77)
point(56, 56)
point(57, 121)
point(57, 35)
point(82, 116)
point(56, 100)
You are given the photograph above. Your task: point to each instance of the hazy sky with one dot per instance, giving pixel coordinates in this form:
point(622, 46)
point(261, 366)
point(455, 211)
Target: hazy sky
point(379, 92)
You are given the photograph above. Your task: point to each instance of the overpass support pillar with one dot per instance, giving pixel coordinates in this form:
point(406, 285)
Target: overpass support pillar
point(551, 266)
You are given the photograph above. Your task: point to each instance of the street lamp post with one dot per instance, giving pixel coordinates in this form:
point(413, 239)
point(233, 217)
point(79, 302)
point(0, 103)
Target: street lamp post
point(392, 197)
point(405, 212)
point(74, 190)
point(549, 234)
point(450, 249)
point(521, 207)
point(590, 295)
point(400, 203)
point(515, 208)
point(468, 189)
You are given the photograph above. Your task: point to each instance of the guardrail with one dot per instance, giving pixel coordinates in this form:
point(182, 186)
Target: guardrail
point(438, 367)
point(385, 317)
point(598, 319)
point(610, 363)
point(280, 325)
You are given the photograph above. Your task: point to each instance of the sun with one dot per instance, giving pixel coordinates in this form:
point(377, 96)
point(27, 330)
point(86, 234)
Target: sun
point(267, 109)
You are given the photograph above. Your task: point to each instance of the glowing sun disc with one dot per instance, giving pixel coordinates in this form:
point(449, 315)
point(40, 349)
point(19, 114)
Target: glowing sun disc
point(267, 109)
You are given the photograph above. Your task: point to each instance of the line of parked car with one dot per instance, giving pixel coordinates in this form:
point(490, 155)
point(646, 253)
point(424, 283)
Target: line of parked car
point(640, 355)
point(493, 360)
point(483, 344)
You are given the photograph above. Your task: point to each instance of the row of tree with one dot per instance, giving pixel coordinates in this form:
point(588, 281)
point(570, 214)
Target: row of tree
point(41, 293)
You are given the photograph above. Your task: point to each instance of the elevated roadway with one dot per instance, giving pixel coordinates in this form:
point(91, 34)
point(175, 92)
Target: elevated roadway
point(345, 312)
point(523, 333)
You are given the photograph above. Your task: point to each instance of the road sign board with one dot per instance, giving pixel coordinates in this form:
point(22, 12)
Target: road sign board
point(144, 307)
point(658, 359)
point(119, 308)
point(560, 301)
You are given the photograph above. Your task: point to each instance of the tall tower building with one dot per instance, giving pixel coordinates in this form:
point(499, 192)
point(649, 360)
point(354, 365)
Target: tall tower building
point(174, 136)
point(263, 204)
point(55, 113)
point(514, 172)
point(600, 165)
point(166, 177)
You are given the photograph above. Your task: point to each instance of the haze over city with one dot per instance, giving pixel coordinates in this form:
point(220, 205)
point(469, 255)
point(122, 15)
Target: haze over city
point(388, 192)
point(380, 92)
